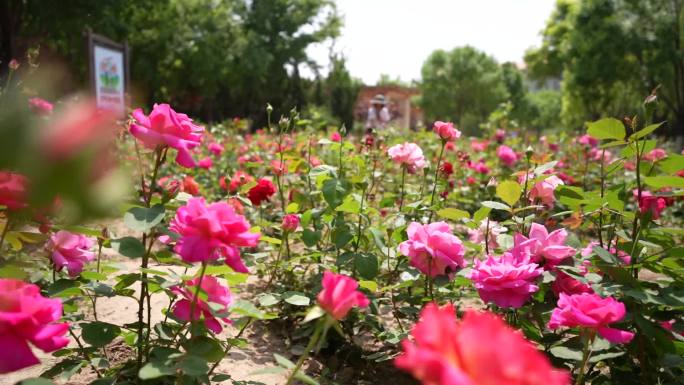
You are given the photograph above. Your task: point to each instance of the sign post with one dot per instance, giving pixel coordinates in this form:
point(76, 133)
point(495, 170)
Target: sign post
point(109, 73)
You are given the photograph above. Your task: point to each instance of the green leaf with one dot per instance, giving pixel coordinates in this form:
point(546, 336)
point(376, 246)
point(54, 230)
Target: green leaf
point(566, 353)
point(605, 356)
point(155, 370)
point(94, 276)
point(36, 381)
point(296, 298)
point(509, 191)
point(247, 309)
point(268, 239)
point(314, 313)
point(608, 128)
point(453, 214)
point(334, 192)
point(672, 164)
point(371, 286)
point(481, 214)
point(99, 334)
point(128, 247)
point(194, 366)
point(311, 237)
point(349, 205)
point(205, 347)
point(367, 265)
point(143, 219)
point(284, 362)
point(664, 181)
point(292, 208)
point(645, 131)
point(341, 236)
point(496, 205)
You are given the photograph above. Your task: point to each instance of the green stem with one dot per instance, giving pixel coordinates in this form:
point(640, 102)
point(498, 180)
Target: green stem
point(4, 231)
point(403, 177)
point(586, 352)
point(193, 304)
point(312, 342)
point(434, 188)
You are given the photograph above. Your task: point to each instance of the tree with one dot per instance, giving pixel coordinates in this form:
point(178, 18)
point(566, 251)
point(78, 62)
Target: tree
point(611, 54)
point(342, 91)
point(463, 85)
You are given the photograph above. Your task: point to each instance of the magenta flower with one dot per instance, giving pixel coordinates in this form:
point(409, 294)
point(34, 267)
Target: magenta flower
point(290, 222)
point(507, 155)
point(216, 294)
point(408, 154)
point(499, 135)
point(13, 190)
point(27, 317)
point(336, 137)
point(650, 203)
point(205, 163)
point(446, 130)
point(71, 251)
point(543, 190)
point(215, 148)
point(166, 127)
point(210, 231)
point(507, 281)
point(339, 295)
point(40, 106)
point(433, 249)
point(569, 285)
point(655, 155)
point(590, 311)
point(542, 245)
point(588, 140)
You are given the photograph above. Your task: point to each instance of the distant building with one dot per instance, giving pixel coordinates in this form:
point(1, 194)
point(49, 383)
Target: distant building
point(404, 113)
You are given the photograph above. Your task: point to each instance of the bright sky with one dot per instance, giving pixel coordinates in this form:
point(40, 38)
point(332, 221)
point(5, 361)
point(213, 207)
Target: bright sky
point(395, 36)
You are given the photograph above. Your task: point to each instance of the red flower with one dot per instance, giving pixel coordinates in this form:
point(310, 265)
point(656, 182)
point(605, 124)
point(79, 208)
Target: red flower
point(447, 169)
point(13, 190)
point(190, 186)
point(480, 349)
point(238, 180)
point(263, 191)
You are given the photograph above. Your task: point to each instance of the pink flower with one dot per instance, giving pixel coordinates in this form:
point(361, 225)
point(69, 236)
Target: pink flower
point(446, 130)
point(210, 231)
point(500, 135)
point(655, 155)
point(190, 186)
point(215, 148)
point(480, 167)
point(27, 317)
point(166, 127)
point(215, 294)
point(433, 249)
point(71, 251)
point(589, 250)
point(205, 163)
point(290, 222)
point(408, 154)
point(238, 180)
point(507, 155)
point(507, 281)
point(489, 229)
point(339, 295)
point(588, 140)
point(542, 245)
point(40, 106)
point(569, 285)
point(593, 312)
point(479, 146)
point(13, 190)
point(650, 203)
point(543, 190)
point(335, 137)
point(478, 350)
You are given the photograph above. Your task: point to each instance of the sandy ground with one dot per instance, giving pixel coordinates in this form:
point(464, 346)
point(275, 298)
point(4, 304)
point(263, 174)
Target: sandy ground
point(239, 364)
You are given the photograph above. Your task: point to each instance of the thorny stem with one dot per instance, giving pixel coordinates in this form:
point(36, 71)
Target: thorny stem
point(434, 188)
point(586, 353)
point(312, 342)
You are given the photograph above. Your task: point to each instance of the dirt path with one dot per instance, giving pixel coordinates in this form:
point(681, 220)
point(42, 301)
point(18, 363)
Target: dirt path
point(239, 364)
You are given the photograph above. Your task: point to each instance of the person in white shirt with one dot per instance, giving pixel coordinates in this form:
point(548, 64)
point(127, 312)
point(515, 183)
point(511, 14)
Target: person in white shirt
point(378, 114)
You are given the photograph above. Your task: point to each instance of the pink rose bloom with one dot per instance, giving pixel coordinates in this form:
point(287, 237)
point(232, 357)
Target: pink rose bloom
point(71, 251)
point(408, 154)
point(655, 155)
point(433, 249)
point(569, 285)
point(481, 168)
point(597, 154)
point(588, 140)
point(215, 148)
point(650, 203)
point(589, 250)
point(507, 155)
point(507, 281)
point(290, 222)
point(542, 245)
point(27, 317)
point(336, 137)
point(493, 229)
point(500, 135)
point(216, 294)
point(590, 311)
point(13, 190)
point(40, 106)
point(543, 190)
point(479, 146)
point(446, 130)
point(210, 231)
point(339, 295)
point(166, 127)
point(481, 349)
point(205, 163)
